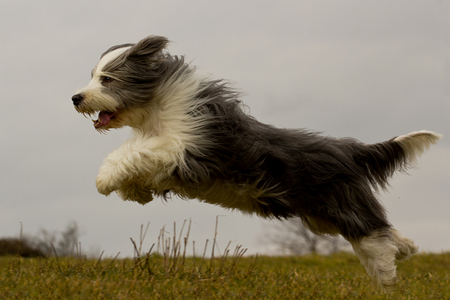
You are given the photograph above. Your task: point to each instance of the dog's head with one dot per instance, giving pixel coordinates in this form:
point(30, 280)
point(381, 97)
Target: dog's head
point(124, 80)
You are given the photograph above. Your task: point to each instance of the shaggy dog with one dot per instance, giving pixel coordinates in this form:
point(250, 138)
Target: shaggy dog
point(192, 138)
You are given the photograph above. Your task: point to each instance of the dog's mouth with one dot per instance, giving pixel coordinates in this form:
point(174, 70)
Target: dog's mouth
point(104, 118)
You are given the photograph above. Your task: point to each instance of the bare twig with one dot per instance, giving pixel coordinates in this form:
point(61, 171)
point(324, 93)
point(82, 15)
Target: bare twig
point(193, 261)
point(224, 258)
point(142, 237)
point(203, 258)
point(99, 259)
point(20, 239)
point(186, 242)
point(106, 267)
point(56, 255)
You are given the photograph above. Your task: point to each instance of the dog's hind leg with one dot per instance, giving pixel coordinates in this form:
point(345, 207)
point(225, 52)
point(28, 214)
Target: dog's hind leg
point(405, 246)
point(377, 253)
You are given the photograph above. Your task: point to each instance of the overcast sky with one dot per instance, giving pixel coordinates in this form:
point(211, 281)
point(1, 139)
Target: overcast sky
point(369, 70)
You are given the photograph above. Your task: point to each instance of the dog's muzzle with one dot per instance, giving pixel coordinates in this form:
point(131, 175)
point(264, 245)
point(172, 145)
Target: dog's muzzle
point(76, 99)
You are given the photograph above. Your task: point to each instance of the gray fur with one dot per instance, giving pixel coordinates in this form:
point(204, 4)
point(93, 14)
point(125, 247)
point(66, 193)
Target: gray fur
point(138, 71)
point(316, 178)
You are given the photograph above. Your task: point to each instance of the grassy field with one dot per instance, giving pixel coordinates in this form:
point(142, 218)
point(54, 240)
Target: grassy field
point(165, 272)
point(339, 276)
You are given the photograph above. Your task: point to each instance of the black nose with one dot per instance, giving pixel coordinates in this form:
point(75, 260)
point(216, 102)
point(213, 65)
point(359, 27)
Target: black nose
point(77, 99)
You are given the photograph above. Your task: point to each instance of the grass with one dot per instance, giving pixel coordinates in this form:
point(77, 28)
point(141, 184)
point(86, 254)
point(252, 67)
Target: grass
point(170, 274)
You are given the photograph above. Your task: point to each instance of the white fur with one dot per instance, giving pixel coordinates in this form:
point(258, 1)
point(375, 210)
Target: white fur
point(405, 246)
point(162, 132)
point(110, 56)
point(95, 99)
point(415, 143)
point(377, 253)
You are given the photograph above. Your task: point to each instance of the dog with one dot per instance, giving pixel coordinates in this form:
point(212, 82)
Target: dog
point(192, 138)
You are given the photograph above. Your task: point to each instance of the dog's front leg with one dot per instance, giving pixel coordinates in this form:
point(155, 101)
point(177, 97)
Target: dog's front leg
point(124, 164)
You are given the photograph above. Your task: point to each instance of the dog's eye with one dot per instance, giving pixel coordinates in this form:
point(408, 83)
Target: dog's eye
point(106, 79)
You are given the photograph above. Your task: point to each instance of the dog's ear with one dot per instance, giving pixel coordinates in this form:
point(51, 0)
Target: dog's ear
point(148, 46)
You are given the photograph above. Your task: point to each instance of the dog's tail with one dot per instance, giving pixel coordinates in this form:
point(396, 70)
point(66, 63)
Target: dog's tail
point(414, 144)
point(398, 154)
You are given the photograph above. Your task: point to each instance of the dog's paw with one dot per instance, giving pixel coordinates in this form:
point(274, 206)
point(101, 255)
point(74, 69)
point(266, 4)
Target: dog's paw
point(106, 185)
point(134, 192)
point(110, 178)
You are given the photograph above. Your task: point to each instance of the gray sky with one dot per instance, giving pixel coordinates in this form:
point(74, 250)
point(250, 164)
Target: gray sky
point(369, 70)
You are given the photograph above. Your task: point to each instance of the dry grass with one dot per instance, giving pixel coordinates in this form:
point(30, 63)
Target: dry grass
point(165, 272)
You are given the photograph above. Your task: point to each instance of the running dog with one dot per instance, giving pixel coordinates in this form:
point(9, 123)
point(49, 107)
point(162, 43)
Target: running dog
point(192, 138)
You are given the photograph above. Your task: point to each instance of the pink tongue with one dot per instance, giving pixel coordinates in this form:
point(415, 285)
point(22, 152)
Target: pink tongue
point(104, 118)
